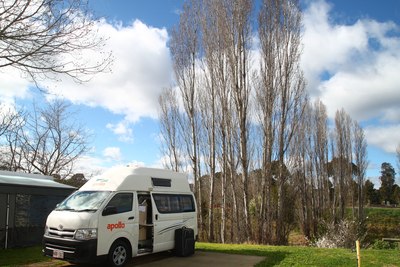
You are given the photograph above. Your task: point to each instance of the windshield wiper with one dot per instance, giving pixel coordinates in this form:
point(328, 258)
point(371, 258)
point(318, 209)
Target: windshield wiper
point(87, 210)
point(68, 209)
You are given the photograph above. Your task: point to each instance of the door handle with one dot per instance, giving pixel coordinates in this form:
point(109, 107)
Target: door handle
point(131, 218)
point(156, 216)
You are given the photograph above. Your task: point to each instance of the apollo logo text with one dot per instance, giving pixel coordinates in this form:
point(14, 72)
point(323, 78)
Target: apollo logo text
point(118, 225)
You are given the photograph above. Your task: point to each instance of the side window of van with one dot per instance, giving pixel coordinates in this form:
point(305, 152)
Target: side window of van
point(187, 203)
point(122, 201)
point(174, 203)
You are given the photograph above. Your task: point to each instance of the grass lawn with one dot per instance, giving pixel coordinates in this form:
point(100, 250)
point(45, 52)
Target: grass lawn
point(21, 256)
point(308, 256)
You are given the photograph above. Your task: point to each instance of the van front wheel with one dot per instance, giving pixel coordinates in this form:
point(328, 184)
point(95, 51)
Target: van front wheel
point(119, 254)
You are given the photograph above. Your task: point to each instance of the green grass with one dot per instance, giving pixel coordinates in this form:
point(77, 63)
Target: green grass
point(308, 256)
point(21, 256)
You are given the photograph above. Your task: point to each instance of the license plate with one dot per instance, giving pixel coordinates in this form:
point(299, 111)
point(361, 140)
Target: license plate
point(58, 254)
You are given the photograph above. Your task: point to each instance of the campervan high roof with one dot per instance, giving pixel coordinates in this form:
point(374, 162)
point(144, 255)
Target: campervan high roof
point(138, 179)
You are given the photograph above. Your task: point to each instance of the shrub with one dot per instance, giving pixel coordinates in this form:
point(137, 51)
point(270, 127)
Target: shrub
point(338, 235)
point(379, 244)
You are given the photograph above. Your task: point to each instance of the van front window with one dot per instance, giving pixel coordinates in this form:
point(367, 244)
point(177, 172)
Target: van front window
point(84, 201)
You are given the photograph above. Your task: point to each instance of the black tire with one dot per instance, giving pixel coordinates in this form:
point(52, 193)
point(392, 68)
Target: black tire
point(119, 254)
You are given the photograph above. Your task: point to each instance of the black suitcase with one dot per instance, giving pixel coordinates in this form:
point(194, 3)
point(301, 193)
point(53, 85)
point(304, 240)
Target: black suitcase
point(184, 242)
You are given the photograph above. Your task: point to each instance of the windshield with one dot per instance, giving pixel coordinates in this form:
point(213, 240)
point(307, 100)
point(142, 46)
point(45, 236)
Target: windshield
point(84, 201)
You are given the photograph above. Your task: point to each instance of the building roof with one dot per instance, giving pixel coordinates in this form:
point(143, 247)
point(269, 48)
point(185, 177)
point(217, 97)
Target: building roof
point(28, 179)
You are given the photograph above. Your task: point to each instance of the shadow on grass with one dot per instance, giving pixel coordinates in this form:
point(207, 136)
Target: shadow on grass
point(271, 258)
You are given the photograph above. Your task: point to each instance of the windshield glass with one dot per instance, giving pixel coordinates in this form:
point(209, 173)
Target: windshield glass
point(84, 201)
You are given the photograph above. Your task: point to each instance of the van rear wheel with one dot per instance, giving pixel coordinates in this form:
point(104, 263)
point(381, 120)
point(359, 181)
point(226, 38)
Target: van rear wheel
point(119, 254)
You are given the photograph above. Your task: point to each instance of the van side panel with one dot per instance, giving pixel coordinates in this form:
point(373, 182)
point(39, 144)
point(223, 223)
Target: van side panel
point(167, 220)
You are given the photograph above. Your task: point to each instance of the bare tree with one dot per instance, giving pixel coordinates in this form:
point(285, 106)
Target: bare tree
point(207, 101)
point(214, 19)
point(51, 141)
point(47, 37)
point(302, 172)
point(282, 37)
point(342, 163)
point(398, 157)
point(184, 49)
point(319, 157)
point(361, 161)
point(169, 117)
point(8, 117)
point(238, 24)
point(207, 144)
point(215, 45)
point(11, 121)
point(266, 99)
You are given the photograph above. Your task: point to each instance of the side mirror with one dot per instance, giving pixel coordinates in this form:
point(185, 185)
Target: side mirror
point(110, 210)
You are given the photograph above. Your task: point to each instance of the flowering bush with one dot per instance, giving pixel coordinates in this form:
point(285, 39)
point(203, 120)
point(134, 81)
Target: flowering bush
point(338, 235)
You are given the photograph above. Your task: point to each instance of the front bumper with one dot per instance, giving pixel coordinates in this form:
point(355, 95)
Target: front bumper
point(71, 250)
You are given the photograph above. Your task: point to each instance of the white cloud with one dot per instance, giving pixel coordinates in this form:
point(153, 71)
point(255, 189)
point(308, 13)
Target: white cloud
point(360, 62)
point(386, 137)
point(93, 166)
point(327, 46)
point(141, 69)
point(89, 166)
point(112, 153)
point(355, 67)
point(122, 130)
point(12, 85)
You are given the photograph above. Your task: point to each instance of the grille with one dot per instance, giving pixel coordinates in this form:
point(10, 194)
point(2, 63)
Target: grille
point(65, 233)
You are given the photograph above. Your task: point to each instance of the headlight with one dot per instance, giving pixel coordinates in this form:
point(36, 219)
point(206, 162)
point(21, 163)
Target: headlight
point(86, 234)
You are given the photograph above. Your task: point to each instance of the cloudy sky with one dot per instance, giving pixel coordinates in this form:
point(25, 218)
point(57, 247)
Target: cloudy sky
point(351, 60)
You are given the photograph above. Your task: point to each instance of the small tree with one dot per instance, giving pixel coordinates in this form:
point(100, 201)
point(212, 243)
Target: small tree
point(371, 194)
point(77, 180)
point(396, 194)
point(387, 182)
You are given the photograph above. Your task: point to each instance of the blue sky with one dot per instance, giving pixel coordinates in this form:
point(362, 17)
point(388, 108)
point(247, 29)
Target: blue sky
point(351, 59)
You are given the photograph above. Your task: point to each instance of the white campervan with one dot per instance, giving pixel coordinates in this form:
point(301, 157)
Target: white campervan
point(126, 212)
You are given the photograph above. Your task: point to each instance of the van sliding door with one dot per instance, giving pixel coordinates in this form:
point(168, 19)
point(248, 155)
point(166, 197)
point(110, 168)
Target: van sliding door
point(167, 217)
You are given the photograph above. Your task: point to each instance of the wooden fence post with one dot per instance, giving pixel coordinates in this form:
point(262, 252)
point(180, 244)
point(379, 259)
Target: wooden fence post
point(358, 253)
